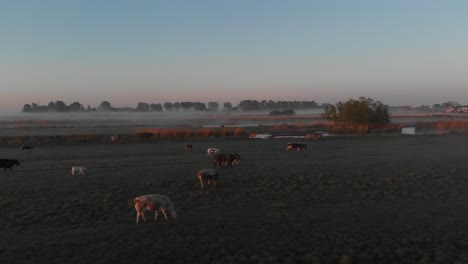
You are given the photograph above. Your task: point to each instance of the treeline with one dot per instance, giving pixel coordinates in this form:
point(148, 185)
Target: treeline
point(244, 105)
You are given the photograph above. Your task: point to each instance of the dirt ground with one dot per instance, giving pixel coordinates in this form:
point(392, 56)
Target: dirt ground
point(375, 199)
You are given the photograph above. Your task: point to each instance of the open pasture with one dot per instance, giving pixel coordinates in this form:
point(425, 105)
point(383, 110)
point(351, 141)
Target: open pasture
point(376, 199)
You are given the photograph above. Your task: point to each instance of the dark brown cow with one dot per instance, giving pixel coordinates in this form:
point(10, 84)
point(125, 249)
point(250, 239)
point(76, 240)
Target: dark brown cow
point(219, 159)
point(188, 148)
point(296, 146)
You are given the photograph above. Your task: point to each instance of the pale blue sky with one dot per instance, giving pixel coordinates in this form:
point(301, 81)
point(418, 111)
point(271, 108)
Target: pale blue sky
point(400, 52)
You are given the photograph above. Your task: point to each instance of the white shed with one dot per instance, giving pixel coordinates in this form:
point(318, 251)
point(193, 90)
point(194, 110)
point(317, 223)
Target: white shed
point(408, 131)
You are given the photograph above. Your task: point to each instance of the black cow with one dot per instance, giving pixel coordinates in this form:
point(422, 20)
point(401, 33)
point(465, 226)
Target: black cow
point(296, 146)
point(28, 148)
point(232, 158)
point(219, 159)
point(228, 159)
point(8, 164)
point(188, 147)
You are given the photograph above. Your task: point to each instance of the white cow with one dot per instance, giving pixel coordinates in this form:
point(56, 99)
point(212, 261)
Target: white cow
point(212, 151)
point(81, 170)
point(153, 202)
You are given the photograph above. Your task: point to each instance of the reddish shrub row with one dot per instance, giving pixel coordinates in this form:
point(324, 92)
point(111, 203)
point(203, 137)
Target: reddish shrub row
point(193, 132)
point(452, 125)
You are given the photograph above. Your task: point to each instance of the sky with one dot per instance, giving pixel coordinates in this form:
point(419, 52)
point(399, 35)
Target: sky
point(399, 52)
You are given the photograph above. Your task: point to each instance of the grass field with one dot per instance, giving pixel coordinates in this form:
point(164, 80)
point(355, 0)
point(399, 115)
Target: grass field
point(376, 199)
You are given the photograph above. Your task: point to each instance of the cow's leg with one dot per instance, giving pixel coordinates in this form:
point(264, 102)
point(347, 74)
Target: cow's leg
point(200, 178)
point(163, 210)
point(142, 214)
point(155, 214)
point(138, 214)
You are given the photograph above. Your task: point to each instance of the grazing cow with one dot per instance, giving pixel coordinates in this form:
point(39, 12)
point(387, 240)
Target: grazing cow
point(153, 202)
point(219, 159)
point(188, 148)
point(28, 148)
point(81, 170)
point(8, 164)
point(233, 158)
point(212, 151)
point(114, 138)
point(312, 136)
point(296, 146)
point(211, 175)
point(227, 159)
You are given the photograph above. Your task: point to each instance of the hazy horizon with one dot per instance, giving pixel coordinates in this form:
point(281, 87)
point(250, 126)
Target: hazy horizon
point(398, 52)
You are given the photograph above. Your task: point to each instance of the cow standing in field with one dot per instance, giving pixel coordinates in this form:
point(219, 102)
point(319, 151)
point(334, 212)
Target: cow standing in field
point(28, 148)
point(227, 159)
point(296, 146)
point(188, 148)
point(312, 136)
point(233, 158)
point(153, 202)
point(115, 138)
point(211, 175)
point(220, 159)
point(212, 151)
point(8, 164)
point(80, 169)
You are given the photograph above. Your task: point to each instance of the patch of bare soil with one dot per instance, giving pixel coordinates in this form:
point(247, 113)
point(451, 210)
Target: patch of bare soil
point(355, 200)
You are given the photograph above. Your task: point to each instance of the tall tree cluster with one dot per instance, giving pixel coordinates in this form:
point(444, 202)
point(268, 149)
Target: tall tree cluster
point(361, 111)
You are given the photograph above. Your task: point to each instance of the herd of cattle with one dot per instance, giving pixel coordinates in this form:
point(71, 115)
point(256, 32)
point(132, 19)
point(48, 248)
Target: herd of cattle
point(158, 202)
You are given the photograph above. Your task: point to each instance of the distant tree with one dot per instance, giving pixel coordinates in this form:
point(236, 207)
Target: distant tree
point(361, 111)
point(276, 112)
point(34, 107)
point(105, 106)
point(176, 106)
point(271, 104)
point(197, 106)
point(60, 106)
point(76, 107)
point(424, 108)
point(142, 107)
point(27, 108)
point(282, 104)
point(168, 106)
point(227, 106)
point(437, 107)
point(449, 104)
point(213, 106)
point(156, 107)
point(249, 105)
point(289, 112)
point(186, 105)
point(51, 106)
point(325, 105)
